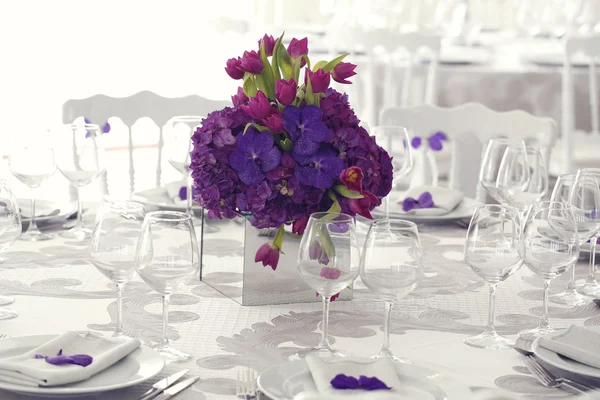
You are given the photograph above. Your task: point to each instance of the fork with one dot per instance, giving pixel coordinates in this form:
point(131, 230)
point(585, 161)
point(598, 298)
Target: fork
point(245, 387)
point(549, 380)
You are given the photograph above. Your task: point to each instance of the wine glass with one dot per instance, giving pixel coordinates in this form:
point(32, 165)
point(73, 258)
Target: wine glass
point(491, 250)
point(591, 286)
point(113, 249)
point(32, 166)
point(584, 195)
point(328, 261)
point(396, 141)
point(10, 230)
point(549, 244)
point(80, 160)
point(522, 177)
point(391, 267)
point(490, 165)
point(166, 257)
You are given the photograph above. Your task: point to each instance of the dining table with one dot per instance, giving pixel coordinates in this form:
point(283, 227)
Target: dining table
point(57, 289)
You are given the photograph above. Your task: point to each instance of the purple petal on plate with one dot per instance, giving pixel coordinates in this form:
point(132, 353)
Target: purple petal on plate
point(409, 204)
point(425, 200)
point(342, 381)
point(416, 142)
point(372, 383)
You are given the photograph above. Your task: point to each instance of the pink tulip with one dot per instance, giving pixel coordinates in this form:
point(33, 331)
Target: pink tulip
point(352, 178)
point(285, 91)
point(343, 71)
point(299, 225)
point(268, 254)
point(269, 42)
point(239, 98)
point(234, 68)
point(361, 206)
point(252, 63)
point(330, 273)
point(319, 80)
point(273, 122)
point(258, 107)
point(298, 48)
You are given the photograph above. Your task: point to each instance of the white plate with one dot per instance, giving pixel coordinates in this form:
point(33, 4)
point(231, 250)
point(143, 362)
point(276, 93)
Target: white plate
point(158, 197)
point(283, 382)
point(554, 59)
point(564, 363)
point(139, 366)
point(463, 211)
point(45, 209)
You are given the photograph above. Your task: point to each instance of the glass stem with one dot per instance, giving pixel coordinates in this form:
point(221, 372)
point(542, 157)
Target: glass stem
point(324, 344)
point(119, 323)
point(591, 279)
point(189, 197)
point(386, 327)
point(79, 210)
point(164, 341)
point(544, 324)
point(571, 284)
point(492, 307)
point(33, 224)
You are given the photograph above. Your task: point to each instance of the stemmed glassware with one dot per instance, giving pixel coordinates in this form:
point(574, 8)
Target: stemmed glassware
point(584, 195)
point(490, 165)
point(549, 244)
point(32, 166)
point(10, 230)
point(396, 141)
point(328, 261)
point(80, 160)
point(491, 250)
point(166, 257)
point(113, 249)
point(522, 177)
point(591, 286)
point(391, 267)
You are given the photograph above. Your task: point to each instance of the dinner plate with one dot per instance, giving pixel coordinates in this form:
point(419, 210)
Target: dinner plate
point(564, 363)
point(45, 210)
point(553, 59)
point(463, 211)
point(283, 382)
point(159, 198)
point(139, 366)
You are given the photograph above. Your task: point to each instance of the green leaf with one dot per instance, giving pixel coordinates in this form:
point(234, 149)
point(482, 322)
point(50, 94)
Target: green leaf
point(318, 65)
point(275, 59)
point(335, 207)
point(259, 128)
point(267, 74)
point(284, 62)
point(310, 97)
point(347, 193)
point(333, 63)
point(286, 144)
point(298, 65)
point(250, 86)
point(261, 84)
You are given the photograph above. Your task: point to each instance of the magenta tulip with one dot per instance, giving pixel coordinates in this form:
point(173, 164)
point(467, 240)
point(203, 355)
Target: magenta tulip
point(252, 63)
point(258, 107)
point(273, 122)
point(319, 80)
point(268, 254)
point(234, 68)
point(299, 225)
point(239, 98)
point(343, 71)
point(352, 178)
point(330, 273)
point(285, 91)
point(269, 43)
point(298, 48)
point(361, 206)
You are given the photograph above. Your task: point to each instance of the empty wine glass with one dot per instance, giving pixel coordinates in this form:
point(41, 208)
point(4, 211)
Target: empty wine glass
point(396, 141)
point(80, 160)
point(549, 244)
point(591, 286)
point(10, 230)
point(584, 195)
point(32, 166)
point(491, 250)
point(328, 261)
point(391, 267)
point(166, 257)
point(490, 165)
point(113, 248)
point(522, 177)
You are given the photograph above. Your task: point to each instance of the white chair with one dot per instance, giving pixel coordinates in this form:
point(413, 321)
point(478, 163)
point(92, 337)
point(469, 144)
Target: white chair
point(376, 48)
point(469, 127)
point(99, 108)
point(579, 149)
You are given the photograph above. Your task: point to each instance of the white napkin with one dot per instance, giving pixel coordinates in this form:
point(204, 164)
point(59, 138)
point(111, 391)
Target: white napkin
point(26, 370)
point(444, 200)
point(173, 189)
point(578, 343)
point(323, 371)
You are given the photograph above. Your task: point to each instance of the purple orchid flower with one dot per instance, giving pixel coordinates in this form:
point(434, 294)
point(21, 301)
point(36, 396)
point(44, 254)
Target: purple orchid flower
point(319, 170)
point(306, 129)
point(256, 154)
point(77, 359)
point(183, 193)
point(416, 142)
point(330, 273)
point(372, 383)
point(342, 381)
point(425, 200)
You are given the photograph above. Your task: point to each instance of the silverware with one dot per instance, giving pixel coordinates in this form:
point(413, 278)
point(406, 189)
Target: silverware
point(245, 387)
point(549, 380)
point(170, 392)
point(161, 385)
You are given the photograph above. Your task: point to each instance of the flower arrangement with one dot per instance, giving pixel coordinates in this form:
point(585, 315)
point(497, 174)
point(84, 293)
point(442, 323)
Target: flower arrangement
point(287, 149)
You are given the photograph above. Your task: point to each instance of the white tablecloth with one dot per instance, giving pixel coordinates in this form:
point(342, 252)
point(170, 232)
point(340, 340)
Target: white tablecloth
point(57, 289)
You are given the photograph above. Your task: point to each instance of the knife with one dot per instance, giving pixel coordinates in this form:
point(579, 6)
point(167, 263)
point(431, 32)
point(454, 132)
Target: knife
point(170, 392)
point(161, 385)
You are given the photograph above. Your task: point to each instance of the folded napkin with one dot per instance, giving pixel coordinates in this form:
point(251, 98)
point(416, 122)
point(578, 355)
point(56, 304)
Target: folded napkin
point(444, 200)
point(174, 190)
point(27, 370)
point(578, 343)
point(323, 371)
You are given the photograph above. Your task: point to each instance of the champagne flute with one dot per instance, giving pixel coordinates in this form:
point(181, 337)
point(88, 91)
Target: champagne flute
point(113, 247)
point(166, 257)
point(80, 161)
point(548, 245)
point(32, 166)
point(391, 267)
point(584, 195)
point(10, 230)
point(328, 261)
point(491, 250)
point(591, 286)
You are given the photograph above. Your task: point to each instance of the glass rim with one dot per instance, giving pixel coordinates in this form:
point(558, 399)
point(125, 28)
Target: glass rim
point(83, 125)
point(169, 216)
point(316, 217)
point(397, 221)
point(127, 203)
point(388, 126)
point(496, 209)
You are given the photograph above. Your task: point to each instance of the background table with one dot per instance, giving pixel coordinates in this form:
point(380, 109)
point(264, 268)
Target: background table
point(57, 289)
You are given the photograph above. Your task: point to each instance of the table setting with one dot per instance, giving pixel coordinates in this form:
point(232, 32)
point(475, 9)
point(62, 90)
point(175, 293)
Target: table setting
point(291, 262)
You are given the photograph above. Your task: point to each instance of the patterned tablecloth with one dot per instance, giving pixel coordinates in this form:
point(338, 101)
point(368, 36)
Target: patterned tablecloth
point(57, 289)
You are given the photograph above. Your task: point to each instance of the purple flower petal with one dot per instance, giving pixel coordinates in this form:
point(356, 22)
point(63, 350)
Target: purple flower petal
point(416, 142)
point(440, 135)
point(77, 359)
point(372, 383)
point(183, 193)
point(409, 204)
point(304, 147)
point(435, 143)
point(341, 227)
point(342, 381)
point(425, 200)
point(106, 127)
